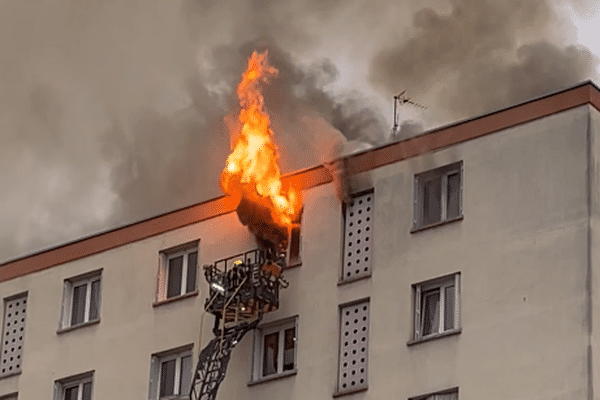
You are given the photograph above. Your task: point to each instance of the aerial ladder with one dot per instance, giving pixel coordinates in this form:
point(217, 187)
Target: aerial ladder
point(241, 290)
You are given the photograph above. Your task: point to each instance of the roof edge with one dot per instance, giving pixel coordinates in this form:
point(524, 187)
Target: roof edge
point(586, 92)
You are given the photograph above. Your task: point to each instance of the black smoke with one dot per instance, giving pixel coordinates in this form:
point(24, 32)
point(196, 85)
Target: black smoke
point(118, 110)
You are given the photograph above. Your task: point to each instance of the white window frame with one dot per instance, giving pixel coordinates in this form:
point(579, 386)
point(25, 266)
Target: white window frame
point(421, 179)
point(156, 370)
point(441, 284)
point(61, 386)
point(258, 355)
point(163, 273)
point(441, 395)
point(69, 285)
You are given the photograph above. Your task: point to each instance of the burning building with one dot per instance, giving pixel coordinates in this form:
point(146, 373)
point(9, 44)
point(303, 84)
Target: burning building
point(462, 266)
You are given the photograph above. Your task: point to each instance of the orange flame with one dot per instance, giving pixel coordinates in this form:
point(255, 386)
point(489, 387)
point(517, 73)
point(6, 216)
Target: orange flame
point(252, 171)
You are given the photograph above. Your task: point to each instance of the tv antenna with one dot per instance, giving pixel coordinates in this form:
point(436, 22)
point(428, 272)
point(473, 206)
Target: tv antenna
point(401, 99)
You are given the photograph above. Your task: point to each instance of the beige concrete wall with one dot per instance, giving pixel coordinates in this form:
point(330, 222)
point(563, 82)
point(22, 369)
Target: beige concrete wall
point(594, 271)
point(521, 250)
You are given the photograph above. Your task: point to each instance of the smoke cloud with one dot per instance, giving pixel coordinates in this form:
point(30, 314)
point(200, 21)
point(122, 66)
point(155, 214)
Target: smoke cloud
point(482, 55)
point(118, 110)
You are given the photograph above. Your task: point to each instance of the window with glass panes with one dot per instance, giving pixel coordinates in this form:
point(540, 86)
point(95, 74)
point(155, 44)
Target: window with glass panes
point(178, 274)
point(275, 349)
point(437, 306)
point(78, 387)
point(78, 391)
point(171, 374)
point(175, 376)
point(82, 300)
point(438, 196)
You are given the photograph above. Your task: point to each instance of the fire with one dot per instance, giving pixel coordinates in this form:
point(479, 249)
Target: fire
point(251, 171)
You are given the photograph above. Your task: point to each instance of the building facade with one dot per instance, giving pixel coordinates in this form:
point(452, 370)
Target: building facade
point(465, 266)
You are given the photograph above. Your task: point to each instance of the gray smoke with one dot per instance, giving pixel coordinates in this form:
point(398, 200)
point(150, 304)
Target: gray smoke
point(118, 110)
point(482, 55)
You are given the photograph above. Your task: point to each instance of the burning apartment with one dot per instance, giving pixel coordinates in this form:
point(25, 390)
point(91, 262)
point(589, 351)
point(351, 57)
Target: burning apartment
point(460, 264)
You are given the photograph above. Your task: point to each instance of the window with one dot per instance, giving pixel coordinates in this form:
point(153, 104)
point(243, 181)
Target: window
point(437, 306)
point(81, 300)
point(78, 387)
point(358, 217)
point(275, 349)
point(438, 196)
point(354, 347)
point(294, 247)
point(445, 395)
point(12, 334)
point(178, 271)
point(171, 374)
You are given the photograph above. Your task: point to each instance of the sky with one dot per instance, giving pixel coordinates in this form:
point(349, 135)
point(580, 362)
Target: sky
point(117, 110)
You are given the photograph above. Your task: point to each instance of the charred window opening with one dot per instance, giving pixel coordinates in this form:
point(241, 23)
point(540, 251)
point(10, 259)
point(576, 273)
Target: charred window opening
point(294, 252)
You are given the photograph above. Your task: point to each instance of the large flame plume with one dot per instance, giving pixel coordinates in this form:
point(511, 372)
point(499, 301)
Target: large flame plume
point(252, 172)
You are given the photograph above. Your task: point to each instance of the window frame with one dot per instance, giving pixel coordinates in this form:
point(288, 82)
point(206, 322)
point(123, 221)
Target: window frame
point(61, 385)
point(418, 291)
point(158, 359)
point(418, 195)
point(67, 308)
point(258, 349)
point(434, 395)
point(163, 272)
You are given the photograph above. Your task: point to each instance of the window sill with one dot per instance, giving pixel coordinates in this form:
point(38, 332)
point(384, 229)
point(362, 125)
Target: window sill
point(350, 280)
point(74, 327)
point(273, 377)
point(435, 224)
point(434, 336)
point(351, 391)
point(175, 298)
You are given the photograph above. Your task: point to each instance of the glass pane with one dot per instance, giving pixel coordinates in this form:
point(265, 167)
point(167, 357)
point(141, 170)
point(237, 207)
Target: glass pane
point(186, 375)
point(167, 378)
point(453, 195)
point(71, 393)
point(95, 300)
point(430, 312)
point(174, 276)
point(449, 308)
point(432, 196)
point(190, 285)
point(271, 347)
point(78, 306)
point(289, 345)
point(87, 391)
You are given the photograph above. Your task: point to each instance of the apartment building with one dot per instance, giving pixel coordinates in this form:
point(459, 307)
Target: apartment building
point(465, 266)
